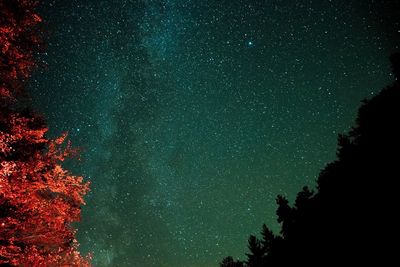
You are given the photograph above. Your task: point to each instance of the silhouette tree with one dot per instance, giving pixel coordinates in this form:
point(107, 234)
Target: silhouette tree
point(230, 262)
point(256, 255)
point(395, 59)
point(351, 218)
point(268, 240)
point(38, 198)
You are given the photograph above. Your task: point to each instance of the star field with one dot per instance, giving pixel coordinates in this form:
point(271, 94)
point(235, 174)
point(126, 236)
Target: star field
point(193, 116)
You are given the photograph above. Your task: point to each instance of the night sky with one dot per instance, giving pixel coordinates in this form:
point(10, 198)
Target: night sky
point(193, 115)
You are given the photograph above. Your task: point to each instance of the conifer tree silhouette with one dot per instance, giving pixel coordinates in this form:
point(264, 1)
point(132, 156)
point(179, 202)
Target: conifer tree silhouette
point(351, 219)
point(255, 257)
point(230, 262)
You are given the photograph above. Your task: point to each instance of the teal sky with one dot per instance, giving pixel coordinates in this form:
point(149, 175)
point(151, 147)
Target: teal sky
point(194, 115)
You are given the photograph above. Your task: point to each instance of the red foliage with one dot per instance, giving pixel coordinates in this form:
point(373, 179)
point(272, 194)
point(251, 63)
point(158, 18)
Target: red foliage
point(19, 41)
point(38, 198)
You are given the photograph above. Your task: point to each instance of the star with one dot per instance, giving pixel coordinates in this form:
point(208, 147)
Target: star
point(202, 118)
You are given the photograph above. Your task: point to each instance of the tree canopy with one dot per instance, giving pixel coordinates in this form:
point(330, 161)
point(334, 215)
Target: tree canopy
point(351, 217)
point(39, 199)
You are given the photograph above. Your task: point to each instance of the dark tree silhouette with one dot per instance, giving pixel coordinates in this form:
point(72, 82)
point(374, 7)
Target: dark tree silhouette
point(395, 59)
point(351, 219)
point(255, 257)
point(230, 262)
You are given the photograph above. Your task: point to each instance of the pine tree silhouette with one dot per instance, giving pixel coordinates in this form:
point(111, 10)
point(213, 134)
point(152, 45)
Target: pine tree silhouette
point(256, 255)
point(230, 262)
point(351, 219)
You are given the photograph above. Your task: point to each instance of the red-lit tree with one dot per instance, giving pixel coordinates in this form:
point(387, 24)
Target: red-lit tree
point(38, 198)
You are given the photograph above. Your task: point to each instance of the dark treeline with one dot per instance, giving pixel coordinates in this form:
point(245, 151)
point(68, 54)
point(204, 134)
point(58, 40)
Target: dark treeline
point(351, 218)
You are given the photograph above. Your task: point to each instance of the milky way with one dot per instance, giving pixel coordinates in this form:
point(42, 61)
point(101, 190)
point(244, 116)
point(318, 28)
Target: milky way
point(193, 115)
